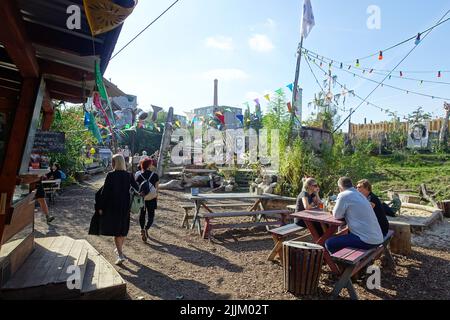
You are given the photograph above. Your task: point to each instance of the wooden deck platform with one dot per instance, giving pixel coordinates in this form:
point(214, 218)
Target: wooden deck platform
point(44, 274)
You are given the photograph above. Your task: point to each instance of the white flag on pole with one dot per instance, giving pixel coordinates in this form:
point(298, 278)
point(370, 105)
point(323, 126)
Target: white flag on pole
point(308, 18)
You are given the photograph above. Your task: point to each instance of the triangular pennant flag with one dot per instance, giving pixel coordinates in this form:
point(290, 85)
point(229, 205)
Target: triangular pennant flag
point(105, 15)
point(221, 118)
point(218, 113)
point(101, 87)
point(256, 101)
point(290, 86)
point(156, 109)
point(279, 91)
point(240, 117)
point(267, 96)
point(178, 123)
point(289, 106)
point(94, 129)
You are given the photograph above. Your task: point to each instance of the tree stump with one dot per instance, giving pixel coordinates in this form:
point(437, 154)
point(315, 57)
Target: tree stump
point(445, 207)
point(401, 242)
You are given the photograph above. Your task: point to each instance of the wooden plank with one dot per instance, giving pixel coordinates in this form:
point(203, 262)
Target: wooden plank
point(244, 213)
point(56, 267)
point(13, 36)
point(222, 205)
point(71, 259)
point(23, 216)
point(287, 229)
point(33, 265)
point(245, 225)
point(41, 269)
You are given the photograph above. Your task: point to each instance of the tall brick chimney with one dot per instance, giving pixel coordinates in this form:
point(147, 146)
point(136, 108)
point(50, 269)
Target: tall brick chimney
point(216, 94)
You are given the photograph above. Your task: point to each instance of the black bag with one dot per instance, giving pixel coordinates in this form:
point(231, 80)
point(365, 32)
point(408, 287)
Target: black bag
point(94, 227)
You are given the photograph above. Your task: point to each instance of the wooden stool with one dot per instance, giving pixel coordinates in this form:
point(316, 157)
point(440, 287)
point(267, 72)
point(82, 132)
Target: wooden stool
point(302, 267)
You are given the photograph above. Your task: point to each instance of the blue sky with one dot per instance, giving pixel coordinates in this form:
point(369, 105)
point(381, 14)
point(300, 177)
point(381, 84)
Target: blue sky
point(250, 47)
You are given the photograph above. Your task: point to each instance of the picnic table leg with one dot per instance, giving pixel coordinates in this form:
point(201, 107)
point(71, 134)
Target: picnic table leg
point(195, 219)
point(388, 256)
point(276, 249)
point(207, 229)
point(345, 281)
point(320, 240)
point(185, 222)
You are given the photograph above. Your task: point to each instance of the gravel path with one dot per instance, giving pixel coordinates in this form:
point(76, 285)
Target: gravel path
point(178, 264)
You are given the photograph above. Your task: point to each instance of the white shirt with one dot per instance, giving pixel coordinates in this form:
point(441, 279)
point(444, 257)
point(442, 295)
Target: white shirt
point(359, 215)
point(126, 153)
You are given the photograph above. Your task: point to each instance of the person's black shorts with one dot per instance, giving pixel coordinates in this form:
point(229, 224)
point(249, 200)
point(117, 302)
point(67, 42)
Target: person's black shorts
point(40, 193)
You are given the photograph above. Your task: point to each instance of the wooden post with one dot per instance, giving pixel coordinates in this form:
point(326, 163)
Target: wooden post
point(165, 142)
point(401, 242)
point(16, 145)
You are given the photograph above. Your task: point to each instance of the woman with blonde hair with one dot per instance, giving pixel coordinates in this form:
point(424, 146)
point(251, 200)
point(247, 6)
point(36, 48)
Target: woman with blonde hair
point(308, 199)
point(114, 204)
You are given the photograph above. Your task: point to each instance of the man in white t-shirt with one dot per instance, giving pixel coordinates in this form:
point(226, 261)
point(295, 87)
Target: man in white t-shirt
point(364, 229)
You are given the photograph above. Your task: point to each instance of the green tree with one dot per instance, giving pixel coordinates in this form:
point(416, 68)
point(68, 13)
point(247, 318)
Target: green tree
point(70, 120)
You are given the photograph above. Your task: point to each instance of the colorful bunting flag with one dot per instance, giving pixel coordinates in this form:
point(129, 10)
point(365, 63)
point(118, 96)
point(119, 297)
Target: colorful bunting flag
point(279, 91)
point(105, 15)
point(267, 96)
point(156, 109)
point(291, 87)
point(289, 106)
point(240, 117)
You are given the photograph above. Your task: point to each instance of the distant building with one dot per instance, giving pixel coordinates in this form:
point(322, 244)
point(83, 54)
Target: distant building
point(231, 121)
point(230, 113)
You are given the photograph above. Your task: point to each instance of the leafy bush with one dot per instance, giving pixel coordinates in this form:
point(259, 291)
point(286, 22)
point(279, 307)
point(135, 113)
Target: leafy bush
point(70, 120)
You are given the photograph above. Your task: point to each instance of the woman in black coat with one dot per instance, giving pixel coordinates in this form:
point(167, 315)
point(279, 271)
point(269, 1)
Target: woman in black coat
point(114, 204)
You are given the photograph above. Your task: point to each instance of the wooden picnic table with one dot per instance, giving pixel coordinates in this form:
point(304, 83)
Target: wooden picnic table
point(329, 225)
point(201, 200)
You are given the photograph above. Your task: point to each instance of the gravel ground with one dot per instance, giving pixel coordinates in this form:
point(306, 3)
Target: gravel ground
point(178, 264)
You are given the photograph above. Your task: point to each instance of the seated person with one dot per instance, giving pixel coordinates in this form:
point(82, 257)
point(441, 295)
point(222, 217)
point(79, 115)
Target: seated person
point(393, 207)
point(308, 199)
point(364, 229)
point(365, 188)
point(55, 172)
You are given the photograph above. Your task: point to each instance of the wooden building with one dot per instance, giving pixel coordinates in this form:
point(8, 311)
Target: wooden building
point(40, 60)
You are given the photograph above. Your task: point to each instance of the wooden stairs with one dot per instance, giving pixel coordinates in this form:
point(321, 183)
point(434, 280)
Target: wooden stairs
point(62, 268)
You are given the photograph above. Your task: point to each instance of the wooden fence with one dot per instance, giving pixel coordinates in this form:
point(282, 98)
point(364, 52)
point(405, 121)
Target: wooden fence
point(373, 130)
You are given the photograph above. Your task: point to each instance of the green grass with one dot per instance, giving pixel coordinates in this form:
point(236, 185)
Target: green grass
point(406, 171)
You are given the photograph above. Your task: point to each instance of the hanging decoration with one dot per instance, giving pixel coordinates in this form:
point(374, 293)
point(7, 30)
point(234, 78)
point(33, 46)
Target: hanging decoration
point(279, 91)
point(417, 39)
point(240, 117)
point(102, 89)
point(156, 110)
point(380, 56)
point(106, 15)
point(289, 106)
point(267, 96)
point(291, 87)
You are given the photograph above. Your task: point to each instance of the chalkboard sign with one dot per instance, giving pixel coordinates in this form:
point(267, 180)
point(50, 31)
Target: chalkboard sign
point(49, 141)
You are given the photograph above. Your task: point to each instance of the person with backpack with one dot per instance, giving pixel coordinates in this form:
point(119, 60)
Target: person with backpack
point(148, 182)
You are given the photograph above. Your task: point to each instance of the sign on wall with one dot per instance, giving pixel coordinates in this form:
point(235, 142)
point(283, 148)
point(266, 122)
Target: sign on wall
point(49, 141)
point(418, 135)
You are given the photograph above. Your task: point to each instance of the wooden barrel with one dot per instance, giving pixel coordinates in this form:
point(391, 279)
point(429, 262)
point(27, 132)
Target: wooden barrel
point(302, 267)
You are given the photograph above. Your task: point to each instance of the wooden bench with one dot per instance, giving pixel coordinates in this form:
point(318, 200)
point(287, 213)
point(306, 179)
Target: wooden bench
point(256, 214)
point(353, 260)
point(190, 206)
point(280, 235)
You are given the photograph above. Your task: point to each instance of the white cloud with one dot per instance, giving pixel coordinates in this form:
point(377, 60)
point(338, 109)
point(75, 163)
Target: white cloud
point(261, 43)
point(270, 23)
point(219, 42)
point(225, 74)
